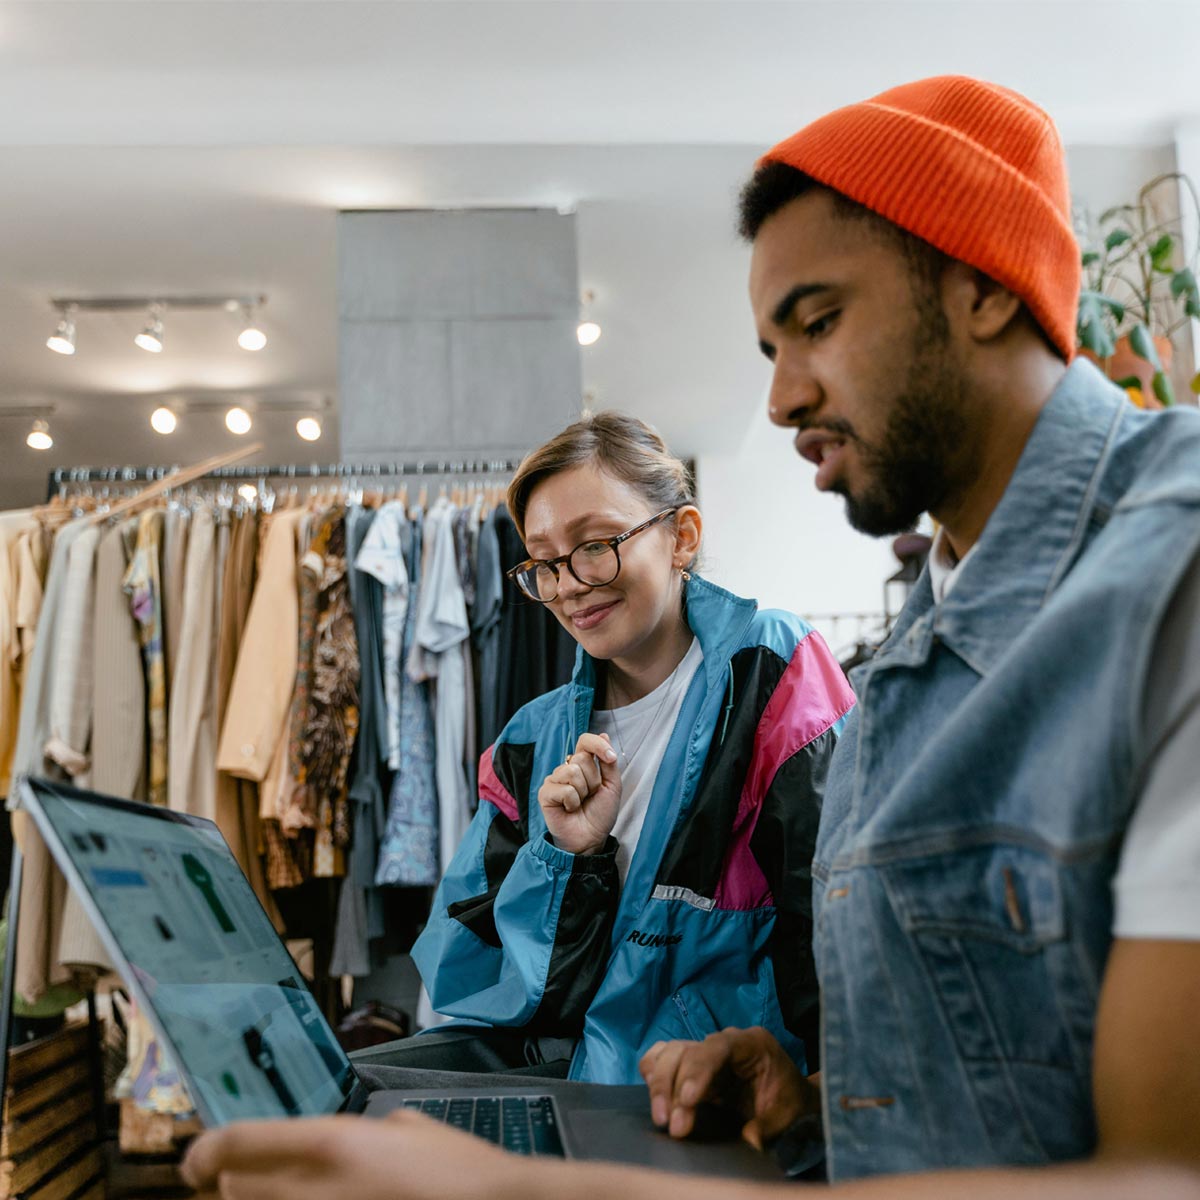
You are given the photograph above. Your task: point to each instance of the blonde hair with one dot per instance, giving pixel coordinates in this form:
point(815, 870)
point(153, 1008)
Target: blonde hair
point(628, 449)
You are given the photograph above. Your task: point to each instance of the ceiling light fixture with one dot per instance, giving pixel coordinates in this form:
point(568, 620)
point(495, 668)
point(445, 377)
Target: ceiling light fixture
point(309, 428)
point(251, 337)
point(151, 338)
point(163, 420)
point(245, 308)
point(587, 331)
point(237, 420)
point(62, 340)
point(39, 437)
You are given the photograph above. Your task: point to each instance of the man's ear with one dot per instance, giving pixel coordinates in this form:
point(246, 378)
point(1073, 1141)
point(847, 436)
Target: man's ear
point(976, 303)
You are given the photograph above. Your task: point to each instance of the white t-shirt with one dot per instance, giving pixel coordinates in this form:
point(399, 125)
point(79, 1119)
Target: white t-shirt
point(639, 733)
point(1157, 886)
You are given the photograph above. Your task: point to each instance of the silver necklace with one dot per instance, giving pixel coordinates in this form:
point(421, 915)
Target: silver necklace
point(668, 692)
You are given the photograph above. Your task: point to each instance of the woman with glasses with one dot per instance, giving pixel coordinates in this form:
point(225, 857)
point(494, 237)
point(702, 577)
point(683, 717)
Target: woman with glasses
point(639, 866)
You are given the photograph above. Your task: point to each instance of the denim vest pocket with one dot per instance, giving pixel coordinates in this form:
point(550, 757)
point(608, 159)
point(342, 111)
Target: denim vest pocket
point(988, 924)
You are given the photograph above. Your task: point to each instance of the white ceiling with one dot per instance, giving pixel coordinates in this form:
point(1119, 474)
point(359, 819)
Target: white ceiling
point(155, 146)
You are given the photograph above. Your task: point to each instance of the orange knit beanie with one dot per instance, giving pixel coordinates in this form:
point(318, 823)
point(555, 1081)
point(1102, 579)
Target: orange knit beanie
point(974, 169)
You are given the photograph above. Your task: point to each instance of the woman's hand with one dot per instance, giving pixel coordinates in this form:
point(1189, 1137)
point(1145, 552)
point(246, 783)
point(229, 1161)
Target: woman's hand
point(580, 799)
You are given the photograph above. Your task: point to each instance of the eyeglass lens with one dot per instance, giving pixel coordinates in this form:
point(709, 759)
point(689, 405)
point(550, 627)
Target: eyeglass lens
point(593, 564)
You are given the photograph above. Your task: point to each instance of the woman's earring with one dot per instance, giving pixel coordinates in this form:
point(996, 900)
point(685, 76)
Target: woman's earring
point(684, 574)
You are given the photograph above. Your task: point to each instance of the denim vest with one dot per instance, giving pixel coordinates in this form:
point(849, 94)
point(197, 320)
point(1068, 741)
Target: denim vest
point(977, 801)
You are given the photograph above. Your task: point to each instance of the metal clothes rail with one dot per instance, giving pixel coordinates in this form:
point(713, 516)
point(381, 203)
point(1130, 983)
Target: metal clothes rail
point(129, 474)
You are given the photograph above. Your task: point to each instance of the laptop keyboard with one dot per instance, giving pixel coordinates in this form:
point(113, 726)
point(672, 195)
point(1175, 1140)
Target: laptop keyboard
point(522, 1124)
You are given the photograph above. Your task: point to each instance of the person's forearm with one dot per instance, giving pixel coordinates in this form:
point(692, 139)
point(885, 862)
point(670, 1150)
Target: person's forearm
point(1076, 1181)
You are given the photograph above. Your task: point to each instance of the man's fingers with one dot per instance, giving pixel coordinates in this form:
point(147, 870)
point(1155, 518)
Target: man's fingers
point(253, 1146)
point(752, 1133)
point(275, 1185)
point(695, 1073)
point(659, 1074)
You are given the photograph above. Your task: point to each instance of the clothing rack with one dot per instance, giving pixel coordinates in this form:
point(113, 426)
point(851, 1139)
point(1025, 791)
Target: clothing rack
point(61, 476)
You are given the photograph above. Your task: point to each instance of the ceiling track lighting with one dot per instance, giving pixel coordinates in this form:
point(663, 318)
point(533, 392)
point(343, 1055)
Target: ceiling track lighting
point(251, 337)
point(151, 338)
point(309, 428)
point(246, 308)
point(62, 340)
point(163, 420)
point(587, 332)
point(237, 420)
point(39, 437)
point(308, 411)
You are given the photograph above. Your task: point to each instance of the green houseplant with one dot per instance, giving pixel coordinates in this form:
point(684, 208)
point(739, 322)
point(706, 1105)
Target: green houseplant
point(1137, 289)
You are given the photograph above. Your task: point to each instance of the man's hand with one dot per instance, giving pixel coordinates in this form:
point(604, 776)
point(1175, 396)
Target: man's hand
point(746, 1069)
point(405, 1155)
point(580, 799)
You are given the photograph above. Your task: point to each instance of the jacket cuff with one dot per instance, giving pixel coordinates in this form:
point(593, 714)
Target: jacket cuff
point(600, 863)
point(66, 756)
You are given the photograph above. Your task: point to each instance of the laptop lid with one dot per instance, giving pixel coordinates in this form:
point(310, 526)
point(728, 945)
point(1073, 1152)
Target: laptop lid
point(199, 954)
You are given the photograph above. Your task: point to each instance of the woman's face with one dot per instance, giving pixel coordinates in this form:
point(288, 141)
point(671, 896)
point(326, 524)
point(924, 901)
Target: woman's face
point(618, 619)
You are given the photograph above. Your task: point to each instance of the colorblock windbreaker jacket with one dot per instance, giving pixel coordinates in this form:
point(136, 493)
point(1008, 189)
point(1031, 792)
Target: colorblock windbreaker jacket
point(713, 926)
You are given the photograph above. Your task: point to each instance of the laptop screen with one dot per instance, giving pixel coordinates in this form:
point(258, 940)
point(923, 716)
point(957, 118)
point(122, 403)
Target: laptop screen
point(247, 1034)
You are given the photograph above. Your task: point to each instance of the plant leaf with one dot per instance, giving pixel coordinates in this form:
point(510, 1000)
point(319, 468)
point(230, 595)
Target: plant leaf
point(1184, 283)
point(1118, 237)
point(1162, 388)
point(1091, 329)
point(1130, 381)
point(1160, 254)
point(1195, 384)
point(1142, 344)
point(1090, 257)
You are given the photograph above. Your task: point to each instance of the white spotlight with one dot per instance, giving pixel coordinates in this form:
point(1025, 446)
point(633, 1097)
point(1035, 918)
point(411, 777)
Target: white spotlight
point(309, 428)
point(163, 420)
point(237, 420)
point(587, 331)
point(39, 437)
point(151, 338)
point(62, 340)
point(252, 338)
point(248, 492)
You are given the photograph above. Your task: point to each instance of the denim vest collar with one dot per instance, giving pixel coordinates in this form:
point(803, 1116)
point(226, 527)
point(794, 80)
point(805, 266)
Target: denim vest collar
point(1030, 540)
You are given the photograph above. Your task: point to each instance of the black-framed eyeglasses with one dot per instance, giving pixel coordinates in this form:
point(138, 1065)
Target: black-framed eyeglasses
point(593, 563)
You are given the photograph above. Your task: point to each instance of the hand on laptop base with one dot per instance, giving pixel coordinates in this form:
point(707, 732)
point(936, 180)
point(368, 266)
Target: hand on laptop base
point(355, 1158)
point(746, 1069)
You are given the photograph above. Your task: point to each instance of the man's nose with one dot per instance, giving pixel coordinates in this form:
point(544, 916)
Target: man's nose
point(793, 394)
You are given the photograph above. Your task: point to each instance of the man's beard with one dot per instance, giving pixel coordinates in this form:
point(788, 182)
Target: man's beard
point(919, 459)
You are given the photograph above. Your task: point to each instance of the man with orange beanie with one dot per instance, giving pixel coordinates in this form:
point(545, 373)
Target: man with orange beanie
point(1005, 883)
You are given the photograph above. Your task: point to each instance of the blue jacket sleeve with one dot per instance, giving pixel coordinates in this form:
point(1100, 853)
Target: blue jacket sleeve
point(520, 930)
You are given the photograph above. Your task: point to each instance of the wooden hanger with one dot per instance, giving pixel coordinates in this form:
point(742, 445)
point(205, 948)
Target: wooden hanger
point(179, 477)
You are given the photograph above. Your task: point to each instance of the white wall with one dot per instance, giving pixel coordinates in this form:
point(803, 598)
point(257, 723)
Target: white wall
point(770, 534)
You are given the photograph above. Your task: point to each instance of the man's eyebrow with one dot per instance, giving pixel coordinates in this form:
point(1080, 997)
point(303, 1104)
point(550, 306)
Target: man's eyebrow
point(783, 310)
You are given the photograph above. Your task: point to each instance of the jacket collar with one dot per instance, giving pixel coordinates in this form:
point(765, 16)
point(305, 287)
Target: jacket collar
point(1031, 539)
point(719, 620)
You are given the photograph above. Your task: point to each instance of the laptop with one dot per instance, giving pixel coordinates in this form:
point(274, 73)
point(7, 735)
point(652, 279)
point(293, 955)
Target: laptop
point(203, 961)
